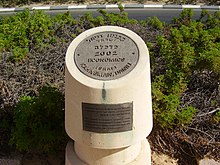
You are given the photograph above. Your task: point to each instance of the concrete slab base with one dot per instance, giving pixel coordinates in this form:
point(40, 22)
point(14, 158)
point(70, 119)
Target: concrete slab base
point(144, 157)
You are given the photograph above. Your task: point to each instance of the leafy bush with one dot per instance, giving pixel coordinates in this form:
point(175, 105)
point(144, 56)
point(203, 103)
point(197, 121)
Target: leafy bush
point(13, 31)
point(60, 20)
point(20, 32)
point(186, 115)
point(39, 122)
point(155, 23)
point(18, 54)
point(106, 18)
point(189, 47)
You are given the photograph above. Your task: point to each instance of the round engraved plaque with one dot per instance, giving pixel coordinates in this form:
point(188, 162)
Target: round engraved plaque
point(106, 55)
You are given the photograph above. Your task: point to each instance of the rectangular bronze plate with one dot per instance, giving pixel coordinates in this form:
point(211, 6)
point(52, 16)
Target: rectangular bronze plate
point(107, 118)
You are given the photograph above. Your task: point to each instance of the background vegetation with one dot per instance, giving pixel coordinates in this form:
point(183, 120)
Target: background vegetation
point(10, 3)
point(185, 69)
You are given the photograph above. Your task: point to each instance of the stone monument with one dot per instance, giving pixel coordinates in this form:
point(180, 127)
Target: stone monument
point(108, 109)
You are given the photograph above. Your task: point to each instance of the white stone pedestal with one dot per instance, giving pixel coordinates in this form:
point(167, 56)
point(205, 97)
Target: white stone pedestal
point(142, 155)
point(108, 105)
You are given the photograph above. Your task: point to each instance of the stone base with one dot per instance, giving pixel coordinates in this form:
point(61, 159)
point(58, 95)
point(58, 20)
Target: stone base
point(144, 157)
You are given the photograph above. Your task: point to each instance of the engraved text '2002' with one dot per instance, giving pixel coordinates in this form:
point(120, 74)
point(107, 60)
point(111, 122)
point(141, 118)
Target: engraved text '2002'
point(106, 55)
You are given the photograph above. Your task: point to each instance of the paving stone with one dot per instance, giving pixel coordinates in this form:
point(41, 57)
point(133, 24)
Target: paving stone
point(162, 159)
point(208, 162)
point(10, 162)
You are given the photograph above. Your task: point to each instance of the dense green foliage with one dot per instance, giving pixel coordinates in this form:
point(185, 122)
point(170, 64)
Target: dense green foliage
point(154, 22)
point(39, 122)
point(192, 46)
point(18, 33)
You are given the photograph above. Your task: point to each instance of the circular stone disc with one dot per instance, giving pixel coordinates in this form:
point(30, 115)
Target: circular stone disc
point(106, 55)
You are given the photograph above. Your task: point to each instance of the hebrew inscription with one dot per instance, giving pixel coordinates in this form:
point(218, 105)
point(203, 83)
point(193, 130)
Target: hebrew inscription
point(106, 55)
point(107, 118)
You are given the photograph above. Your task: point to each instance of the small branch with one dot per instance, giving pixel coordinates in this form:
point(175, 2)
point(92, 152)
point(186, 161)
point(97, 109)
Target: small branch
point(213, 111)
point(200, 131)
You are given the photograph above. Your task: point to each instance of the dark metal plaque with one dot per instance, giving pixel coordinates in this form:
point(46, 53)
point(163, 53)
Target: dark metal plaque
point(106, 55)
point(107, 118)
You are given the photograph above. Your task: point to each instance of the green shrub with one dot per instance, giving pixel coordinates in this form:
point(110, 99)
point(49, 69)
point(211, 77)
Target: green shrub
point(39, 122)
point(191, 46)
point(116, 19)
point(39, 27)
point(194, 46)
point(18, 54)
point(60, 20)
point(185, 18)
point(186, 115)
point(166, 103)
point(13, 31)
point(165, 115)
point(155, 23)
point(20, 32)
